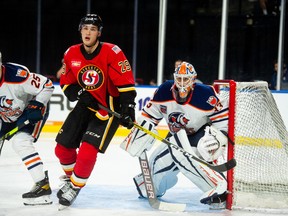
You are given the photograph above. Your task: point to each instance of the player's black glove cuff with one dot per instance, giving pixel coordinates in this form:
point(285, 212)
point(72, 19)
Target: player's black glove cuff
point(87, 100)
point(33, 111)
point(127, 106)
point(127, 115)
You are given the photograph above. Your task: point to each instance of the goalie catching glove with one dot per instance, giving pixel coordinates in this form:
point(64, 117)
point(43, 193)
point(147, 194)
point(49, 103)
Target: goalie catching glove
point(137, 140)
point(212, 145)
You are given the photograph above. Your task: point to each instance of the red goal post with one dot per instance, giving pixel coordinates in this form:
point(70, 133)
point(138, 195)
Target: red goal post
point(260, 178)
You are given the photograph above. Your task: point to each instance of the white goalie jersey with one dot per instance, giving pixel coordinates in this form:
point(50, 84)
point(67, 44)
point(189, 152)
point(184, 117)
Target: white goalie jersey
point(204, 106)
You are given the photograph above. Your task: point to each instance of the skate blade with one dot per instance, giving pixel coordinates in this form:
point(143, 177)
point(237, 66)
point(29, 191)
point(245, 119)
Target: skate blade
point(43, 200)
point(62, 207)
point(217, 206)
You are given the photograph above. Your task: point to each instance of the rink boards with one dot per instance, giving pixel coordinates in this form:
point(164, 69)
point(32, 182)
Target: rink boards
point(60, 108)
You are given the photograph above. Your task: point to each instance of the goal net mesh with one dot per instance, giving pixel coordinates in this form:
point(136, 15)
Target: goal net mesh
point(260, 179)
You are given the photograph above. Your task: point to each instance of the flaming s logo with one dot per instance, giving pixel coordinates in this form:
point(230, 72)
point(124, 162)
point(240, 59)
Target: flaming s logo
point(91, 77)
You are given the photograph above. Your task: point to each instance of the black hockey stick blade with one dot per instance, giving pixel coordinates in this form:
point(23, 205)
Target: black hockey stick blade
point(219, 168)
point(150, 190)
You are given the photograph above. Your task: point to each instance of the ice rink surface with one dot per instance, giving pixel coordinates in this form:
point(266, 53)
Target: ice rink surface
point(110, 190)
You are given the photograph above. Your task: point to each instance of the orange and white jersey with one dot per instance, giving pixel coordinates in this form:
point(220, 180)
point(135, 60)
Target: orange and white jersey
point(17, 87)
point(202, 106)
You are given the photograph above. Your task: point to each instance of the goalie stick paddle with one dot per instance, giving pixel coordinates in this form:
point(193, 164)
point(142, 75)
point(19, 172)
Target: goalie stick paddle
point(11, 133)
point(149, 186)
point(219, 168)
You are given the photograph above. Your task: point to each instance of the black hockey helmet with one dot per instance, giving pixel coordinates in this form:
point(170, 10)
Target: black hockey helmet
point(93, 19)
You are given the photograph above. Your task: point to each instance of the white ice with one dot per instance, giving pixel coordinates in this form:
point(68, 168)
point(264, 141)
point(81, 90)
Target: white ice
point(109, 191)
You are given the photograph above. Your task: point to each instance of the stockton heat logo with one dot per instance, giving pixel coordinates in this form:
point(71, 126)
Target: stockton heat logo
point(90, 77)
point(177, 120)
point(7, 113)
point(5, 103)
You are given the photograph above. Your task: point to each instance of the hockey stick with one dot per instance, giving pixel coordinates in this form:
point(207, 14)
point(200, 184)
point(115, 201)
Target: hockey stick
point(154, 202)
point(11, 133)
point(150, 190)
point(219, 168)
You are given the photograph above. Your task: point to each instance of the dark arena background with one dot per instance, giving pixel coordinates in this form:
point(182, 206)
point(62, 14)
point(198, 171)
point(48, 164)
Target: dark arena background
point(36, 33)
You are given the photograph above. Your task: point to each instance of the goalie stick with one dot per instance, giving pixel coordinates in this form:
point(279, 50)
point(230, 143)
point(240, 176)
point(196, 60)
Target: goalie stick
point(11, 133)
point(154, 202)
point(150, 190)
point(219, 168)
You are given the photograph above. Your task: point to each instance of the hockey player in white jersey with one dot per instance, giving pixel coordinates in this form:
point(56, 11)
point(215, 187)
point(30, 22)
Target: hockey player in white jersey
point(24, 96)
point(195, 116)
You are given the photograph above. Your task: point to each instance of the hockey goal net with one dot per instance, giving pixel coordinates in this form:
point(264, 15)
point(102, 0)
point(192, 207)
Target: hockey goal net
point(260, 178)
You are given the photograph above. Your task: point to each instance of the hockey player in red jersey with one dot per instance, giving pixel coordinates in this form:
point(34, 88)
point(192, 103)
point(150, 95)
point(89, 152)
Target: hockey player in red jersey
point(196, 117)
point(95, 73)
point(24, 96)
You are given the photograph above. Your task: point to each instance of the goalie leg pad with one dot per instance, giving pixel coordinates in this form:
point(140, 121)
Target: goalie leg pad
point(140, 185)
point(203, 177)
point(166, 183)
point(163, 171)
point(137, 140)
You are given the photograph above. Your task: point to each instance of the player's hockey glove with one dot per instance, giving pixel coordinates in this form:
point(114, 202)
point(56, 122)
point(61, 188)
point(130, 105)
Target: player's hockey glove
point(127, 106)
point(88, 100)
point(33, 111)
point(127, 115)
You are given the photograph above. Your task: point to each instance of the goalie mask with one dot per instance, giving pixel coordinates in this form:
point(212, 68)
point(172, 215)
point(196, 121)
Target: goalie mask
point(93, 19)
point(184, 79)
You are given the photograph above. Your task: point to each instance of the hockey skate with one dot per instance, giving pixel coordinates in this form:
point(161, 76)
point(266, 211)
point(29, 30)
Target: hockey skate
point(65, 186)
point(215, 201)
point(68, 197)
point(39, 194)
